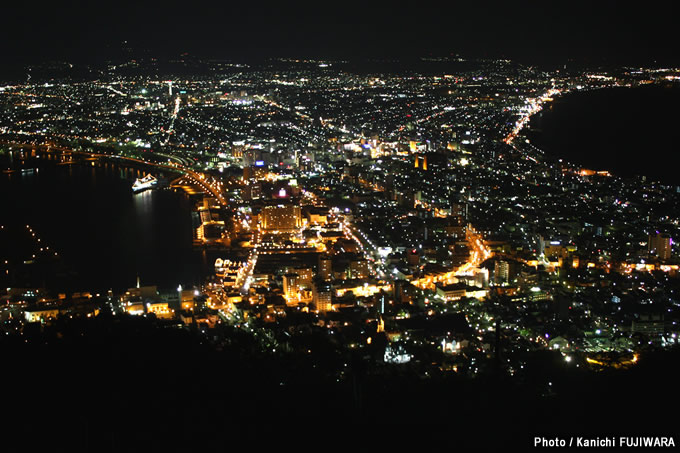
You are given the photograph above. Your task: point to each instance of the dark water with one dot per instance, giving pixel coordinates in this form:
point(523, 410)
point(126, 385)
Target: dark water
point(105, 235)
point(628, 131)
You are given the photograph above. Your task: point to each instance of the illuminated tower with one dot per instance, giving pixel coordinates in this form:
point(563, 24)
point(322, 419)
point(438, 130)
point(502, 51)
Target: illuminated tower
point(170, 88)
point(425, 162)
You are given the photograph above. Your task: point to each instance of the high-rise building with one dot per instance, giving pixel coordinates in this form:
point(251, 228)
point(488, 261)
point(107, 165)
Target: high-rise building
point(291, 287)
point(456, 226)
point(251, 156)
point(325, 268)
point(322, 296)
point(660, 245)
point(501, 272)
point(459, 209)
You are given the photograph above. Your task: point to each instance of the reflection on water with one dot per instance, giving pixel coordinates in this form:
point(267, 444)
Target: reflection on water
point(106, 234)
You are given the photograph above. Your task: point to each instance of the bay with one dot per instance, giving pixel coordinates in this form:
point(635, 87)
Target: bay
point(105, 235)
point(627, 131)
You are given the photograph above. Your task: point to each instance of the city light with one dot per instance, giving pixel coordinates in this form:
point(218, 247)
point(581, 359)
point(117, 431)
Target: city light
point(342, 230)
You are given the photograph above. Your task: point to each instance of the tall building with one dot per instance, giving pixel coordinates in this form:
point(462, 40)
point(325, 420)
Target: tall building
point(291, 287)
point(459, 209)
point(456, 226)
point(251, 156)
point(501, 272)
point(660, 245)
point(322, 296)
point(325, 268)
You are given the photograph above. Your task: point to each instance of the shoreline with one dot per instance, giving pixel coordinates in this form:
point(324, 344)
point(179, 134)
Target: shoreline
point(626, 168)
point(113, 255)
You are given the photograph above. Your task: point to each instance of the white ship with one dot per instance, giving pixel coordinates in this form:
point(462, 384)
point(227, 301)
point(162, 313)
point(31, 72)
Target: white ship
point(147, 182)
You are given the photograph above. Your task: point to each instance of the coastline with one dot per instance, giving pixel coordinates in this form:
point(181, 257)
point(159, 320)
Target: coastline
point(121, 227)
point(547, 130)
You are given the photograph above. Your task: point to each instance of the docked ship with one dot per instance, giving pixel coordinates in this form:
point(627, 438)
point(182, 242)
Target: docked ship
point(147, 182)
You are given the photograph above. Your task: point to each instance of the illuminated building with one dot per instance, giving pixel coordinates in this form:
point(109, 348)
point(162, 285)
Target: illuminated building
point(325, 269)
point(424, 160)
point(459, 290)
point(254, 172)
point(237, 150)
point(412, 257)
point(660, 245)
point(41, 314)
point(648, 323)
point(460, 210)
point(452, 292)
point(297, 284)
point(413, 146)
point(281, 218)
point(291, 287)
point(252, 191)
point(187, 299)
point(322, 296)
point(160, 309)
point(144, 292)
point(211, 231)
point(358, 268)
point(251, 156)
point(281, 193)
point(501, 272)
point(361, 290)
point(134, 307)
point(305, 276)
point(317, 216)
point(456, 226)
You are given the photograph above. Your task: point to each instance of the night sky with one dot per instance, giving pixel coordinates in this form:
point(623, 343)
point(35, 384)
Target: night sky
point(531, 31)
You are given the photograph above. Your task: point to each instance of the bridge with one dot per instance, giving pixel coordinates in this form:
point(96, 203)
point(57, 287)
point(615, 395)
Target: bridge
point(198, 177)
